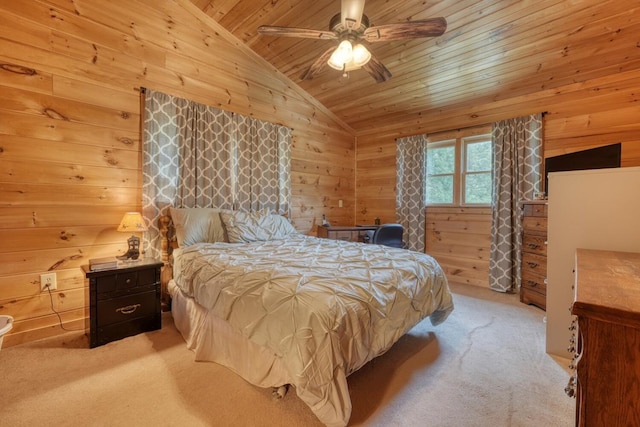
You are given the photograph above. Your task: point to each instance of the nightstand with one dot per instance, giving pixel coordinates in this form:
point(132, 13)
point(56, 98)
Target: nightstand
point(123, 301)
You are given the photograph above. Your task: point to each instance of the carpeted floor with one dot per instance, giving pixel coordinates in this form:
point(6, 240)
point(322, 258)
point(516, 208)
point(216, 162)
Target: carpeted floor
point(485, 366)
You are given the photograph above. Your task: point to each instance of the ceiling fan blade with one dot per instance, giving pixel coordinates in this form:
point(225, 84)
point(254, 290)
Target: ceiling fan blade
point(351, 13)
point(377, 70)
point(406, 30)
point(268, 30)
point(318, 65)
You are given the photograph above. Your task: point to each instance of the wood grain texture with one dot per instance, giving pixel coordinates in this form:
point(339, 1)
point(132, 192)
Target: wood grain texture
point(607, 301)
point(70, 74)
point(490, 52)
point(459, 239)
point(70, 135)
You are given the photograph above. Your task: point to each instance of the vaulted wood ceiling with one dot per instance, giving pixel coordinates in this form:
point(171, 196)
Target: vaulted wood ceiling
point(491, 51)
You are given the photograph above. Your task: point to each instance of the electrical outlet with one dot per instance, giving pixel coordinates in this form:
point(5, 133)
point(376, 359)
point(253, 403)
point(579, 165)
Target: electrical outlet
point(48, 280)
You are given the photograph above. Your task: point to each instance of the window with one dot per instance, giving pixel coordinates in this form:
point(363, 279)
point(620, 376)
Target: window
point(459, 170)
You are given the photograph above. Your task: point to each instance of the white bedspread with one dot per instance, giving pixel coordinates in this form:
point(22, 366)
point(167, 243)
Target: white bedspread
point(326, 307)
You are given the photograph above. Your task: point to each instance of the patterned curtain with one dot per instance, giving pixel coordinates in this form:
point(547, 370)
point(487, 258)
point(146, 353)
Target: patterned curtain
point(411, 198)
point(517, 161)
point(192, 156)
point(262, 165)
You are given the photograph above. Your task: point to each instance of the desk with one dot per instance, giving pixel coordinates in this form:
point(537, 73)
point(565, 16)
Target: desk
point(349, 233)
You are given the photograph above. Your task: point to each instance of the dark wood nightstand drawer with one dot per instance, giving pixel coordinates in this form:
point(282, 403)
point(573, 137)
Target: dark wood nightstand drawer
point(125, 280)
point(116, 331)
point(126, 308)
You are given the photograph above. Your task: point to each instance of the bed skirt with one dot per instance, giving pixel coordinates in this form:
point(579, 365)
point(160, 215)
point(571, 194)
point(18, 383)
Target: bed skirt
point(212, 339)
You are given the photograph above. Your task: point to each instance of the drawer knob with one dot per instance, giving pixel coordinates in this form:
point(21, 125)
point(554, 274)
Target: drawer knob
point(128, 309)
point(532, 264)
point(533, 246)
point(532, 283)
point(128, 281)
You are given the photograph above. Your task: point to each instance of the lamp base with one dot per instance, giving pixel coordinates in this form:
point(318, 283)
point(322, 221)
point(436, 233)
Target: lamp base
point(133, 251)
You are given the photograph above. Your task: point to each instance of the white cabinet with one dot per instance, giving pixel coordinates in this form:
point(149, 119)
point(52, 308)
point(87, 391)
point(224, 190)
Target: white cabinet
point(595, 209)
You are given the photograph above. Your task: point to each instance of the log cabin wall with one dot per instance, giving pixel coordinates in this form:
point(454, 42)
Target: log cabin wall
point(579, 116)
point(70, 154)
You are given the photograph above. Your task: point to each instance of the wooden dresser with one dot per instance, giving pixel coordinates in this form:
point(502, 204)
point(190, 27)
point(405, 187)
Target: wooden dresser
point(607, 338)
point(533, 283)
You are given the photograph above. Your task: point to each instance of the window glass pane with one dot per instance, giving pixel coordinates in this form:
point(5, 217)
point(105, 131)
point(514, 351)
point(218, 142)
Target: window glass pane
point(441, 160)
point(478, 188)
point(440, 189)
point(478, 156)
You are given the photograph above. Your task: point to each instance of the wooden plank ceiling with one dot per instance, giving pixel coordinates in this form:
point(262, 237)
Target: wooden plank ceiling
point(491, 50)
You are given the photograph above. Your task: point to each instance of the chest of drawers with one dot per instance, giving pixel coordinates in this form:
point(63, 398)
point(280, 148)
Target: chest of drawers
point(533, 283)
point(123, 301)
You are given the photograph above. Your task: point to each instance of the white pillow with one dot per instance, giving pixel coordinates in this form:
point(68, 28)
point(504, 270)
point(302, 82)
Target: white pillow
point(245, 227)
point(198, 225)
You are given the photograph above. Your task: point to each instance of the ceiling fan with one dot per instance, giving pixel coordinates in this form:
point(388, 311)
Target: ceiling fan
point(351, 27)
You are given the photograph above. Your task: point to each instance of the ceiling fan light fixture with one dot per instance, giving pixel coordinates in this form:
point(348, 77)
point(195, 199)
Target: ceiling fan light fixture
point(361, 55)
point(341, 56)
point(349, 57)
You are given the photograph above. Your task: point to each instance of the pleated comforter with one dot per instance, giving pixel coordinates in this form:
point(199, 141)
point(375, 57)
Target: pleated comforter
point(325, 307)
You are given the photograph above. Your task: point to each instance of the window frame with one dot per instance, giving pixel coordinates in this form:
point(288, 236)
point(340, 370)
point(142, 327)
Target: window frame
point(456, 175)
point(465, 142)
point(460, 139)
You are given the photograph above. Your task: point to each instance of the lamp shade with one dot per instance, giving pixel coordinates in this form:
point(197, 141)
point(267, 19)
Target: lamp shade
point(341, 56)
point(361, 55)
point(132, 222)
point(347, 57)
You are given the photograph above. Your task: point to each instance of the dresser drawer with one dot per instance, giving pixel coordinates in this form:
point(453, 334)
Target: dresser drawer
point(534, 244)
point(125, 308)
point(116, 331)
point(536, 264)
point(534, 223)
point(534, 209)
point(125, 281)
point(530, 296)
point(533, 281)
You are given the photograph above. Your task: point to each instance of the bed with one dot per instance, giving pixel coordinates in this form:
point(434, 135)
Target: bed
point(282, 308)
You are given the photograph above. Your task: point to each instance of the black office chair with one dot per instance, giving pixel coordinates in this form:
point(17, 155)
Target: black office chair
point(388, 235)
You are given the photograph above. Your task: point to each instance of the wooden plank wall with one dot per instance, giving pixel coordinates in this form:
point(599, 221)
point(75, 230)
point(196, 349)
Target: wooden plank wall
point(579, 116)
point(460, 239)
point(70, 159)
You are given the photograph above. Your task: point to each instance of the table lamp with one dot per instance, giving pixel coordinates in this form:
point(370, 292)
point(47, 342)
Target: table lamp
point(132, 222)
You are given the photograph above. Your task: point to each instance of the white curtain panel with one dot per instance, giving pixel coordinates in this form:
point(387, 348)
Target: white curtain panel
point(411, 199)
point(517, 164)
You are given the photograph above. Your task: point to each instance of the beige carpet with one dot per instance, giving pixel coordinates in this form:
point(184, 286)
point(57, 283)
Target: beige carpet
point(485, 366)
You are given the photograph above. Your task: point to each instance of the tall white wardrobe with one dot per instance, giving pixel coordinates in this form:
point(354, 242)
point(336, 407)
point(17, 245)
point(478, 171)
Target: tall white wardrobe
point(594, 209)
